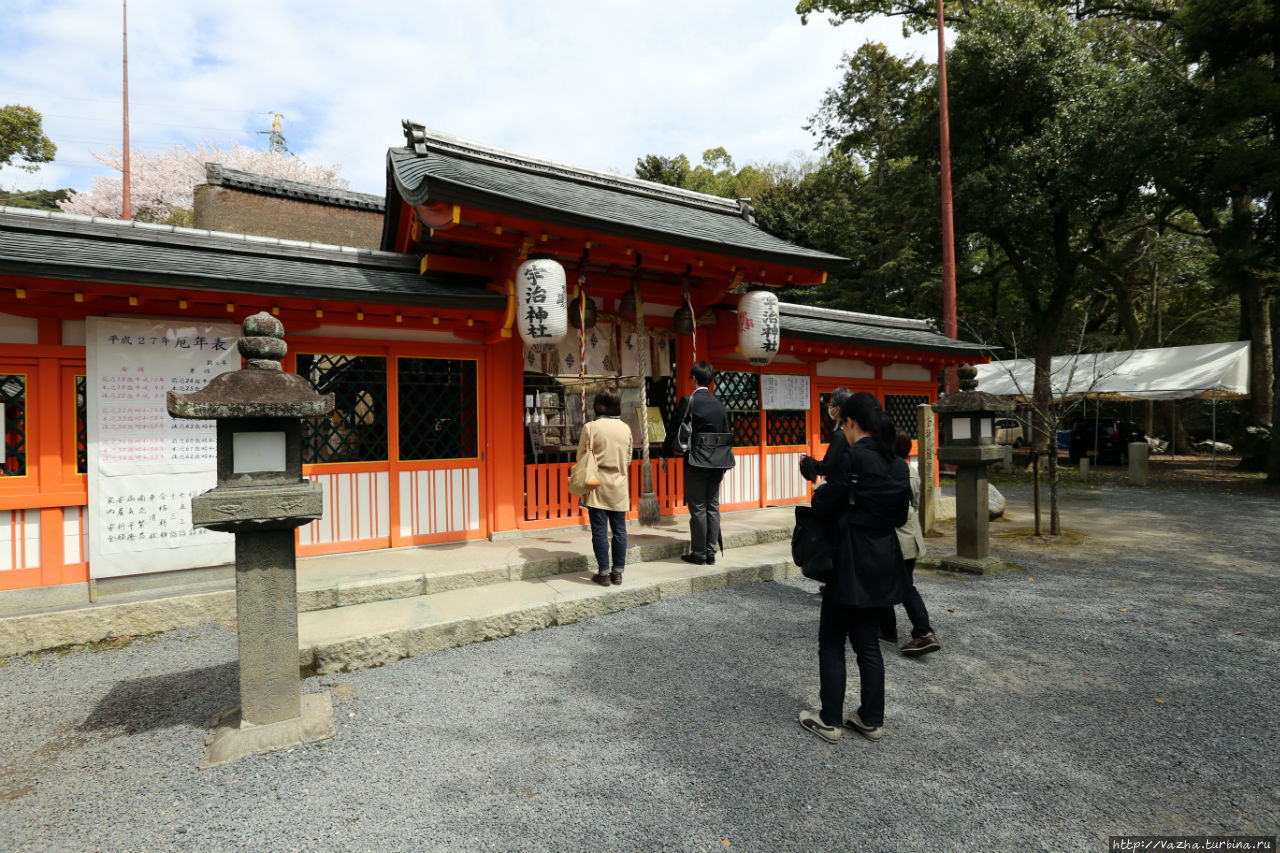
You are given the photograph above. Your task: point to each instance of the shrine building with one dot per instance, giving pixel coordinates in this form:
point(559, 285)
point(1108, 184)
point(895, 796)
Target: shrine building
point(459, 387)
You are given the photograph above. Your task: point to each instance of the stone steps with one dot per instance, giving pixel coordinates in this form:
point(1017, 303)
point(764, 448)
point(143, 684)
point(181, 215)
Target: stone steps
point(376, 632)
point(407, 574)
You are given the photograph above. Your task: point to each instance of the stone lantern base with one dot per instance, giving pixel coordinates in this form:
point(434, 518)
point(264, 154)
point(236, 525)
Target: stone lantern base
point(973, 565)
point(233, 739)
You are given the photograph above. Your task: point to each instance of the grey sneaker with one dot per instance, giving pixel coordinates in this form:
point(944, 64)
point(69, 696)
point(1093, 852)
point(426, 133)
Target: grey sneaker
point(853, 721)
point(812, 721)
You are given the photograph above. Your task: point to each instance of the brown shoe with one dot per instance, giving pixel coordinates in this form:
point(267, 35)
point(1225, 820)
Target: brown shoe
point(616, 577)
point(921, 646)
point(601, 578)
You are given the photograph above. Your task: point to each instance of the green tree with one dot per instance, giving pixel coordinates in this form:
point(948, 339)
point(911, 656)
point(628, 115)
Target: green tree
point(1222, 161)
point(36, 199)
point(22, 140)
point(672, 171)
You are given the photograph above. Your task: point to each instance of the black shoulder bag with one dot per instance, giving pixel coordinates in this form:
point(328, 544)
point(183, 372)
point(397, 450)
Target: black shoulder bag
point(811, 546)
point(711, 450)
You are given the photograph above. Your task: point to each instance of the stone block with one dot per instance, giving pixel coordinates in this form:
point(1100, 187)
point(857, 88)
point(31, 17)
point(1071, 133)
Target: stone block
point(740, 539)
point(165, 614)
point(317, 598)
point(63, 628)
point(358, 653)
point(704, 583)
point(379, 589)
point(576, 609)
point(674, 588)
point(232, 739)
point(518, 620)
point(463, 579)
point(1139, 463)
point(995, 502)
point(536, 569)
point(7, 642)
point(439, 636)
point(628, 596)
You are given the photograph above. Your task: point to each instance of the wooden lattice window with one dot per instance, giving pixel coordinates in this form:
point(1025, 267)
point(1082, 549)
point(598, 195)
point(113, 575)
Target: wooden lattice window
point(902, 409)
point(439, 418)
point(740, 394)
point(357, 429)
point(82, 425)
point(785, 427)
point(13, 396)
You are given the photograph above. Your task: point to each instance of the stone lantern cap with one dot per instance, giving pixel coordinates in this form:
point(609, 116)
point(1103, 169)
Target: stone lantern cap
point(968, 398)
point(261, 390)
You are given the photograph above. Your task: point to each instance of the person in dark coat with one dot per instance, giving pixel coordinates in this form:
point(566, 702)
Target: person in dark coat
point(865, 499)
point(810, 468)
point(701, 485)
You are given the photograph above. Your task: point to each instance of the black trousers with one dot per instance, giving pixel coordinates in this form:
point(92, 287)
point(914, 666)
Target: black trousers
point(914, 605)
point(702, 495)
point(840, 622)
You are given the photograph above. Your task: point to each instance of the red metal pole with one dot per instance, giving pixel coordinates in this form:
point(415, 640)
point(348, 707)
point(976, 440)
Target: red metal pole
point(126, 205)
point(948, 230)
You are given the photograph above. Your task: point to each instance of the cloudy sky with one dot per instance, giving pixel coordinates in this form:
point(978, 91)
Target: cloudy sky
point(593, 84)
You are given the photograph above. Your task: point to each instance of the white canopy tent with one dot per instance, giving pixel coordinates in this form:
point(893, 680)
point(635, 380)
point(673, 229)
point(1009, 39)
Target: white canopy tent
point(1204, 372)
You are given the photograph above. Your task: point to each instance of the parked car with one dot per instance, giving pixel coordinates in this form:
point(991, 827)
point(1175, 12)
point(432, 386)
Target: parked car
point(1009, 431)
point(1103, 439)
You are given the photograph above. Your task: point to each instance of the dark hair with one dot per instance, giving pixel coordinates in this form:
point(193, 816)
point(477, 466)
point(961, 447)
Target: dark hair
point(608, 402)
point(864, 409)
point(839, 395)
point(903, 445)
point(703, 373)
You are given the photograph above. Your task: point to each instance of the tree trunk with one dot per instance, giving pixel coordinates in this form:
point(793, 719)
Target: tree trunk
point(1254, 305)
point(1273, 459)
point(1055, 520)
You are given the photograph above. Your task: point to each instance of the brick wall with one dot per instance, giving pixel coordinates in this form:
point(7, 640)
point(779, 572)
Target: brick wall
point(226, 209)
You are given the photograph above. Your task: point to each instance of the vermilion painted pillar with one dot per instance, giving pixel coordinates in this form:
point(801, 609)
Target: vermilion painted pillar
point(504, 456)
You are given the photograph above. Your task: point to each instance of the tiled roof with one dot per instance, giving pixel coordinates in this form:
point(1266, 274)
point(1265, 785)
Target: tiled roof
point(848, 327)
point(218, 175)
point(443, 168)
point(84, 248)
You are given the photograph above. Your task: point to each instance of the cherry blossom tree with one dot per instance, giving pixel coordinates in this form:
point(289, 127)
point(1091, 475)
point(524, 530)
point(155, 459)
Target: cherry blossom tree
point(163, 183)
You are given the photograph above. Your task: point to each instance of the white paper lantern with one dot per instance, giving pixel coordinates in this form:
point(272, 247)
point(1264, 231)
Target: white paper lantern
point(541, 304)
point(759, 331)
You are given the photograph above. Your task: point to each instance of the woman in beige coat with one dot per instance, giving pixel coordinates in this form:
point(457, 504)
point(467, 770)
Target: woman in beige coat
point(911, 539)
point(608, 503)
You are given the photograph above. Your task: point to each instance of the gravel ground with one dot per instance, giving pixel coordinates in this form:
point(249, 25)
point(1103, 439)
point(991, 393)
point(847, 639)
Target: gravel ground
point(1125, 683)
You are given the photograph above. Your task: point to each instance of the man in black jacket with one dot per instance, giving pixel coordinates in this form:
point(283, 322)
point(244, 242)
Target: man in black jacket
point(701, 485)
point(811, 469)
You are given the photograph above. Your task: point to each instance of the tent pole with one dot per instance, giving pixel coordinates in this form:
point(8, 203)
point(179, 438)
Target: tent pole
point(1173, 429)
point(1215, 432)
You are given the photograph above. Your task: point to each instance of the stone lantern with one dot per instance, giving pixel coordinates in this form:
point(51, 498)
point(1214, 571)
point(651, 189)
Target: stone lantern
point(262, 497)
point(967, 420)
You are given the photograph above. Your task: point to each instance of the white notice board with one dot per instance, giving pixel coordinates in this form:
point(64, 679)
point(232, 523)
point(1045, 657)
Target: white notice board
point(784, 391)
point(144, 466)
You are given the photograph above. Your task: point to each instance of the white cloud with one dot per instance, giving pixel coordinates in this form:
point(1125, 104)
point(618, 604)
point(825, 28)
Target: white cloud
point(592, 84)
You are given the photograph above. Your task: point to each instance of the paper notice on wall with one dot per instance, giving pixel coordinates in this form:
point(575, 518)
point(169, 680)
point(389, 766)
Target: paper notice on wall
point(144, 466)
point(784, 391)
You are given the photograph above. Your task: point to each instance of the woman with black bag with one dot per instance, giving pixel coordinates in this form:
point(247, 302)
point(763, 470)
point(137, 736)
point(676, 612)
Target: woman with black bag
point(864, 501)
